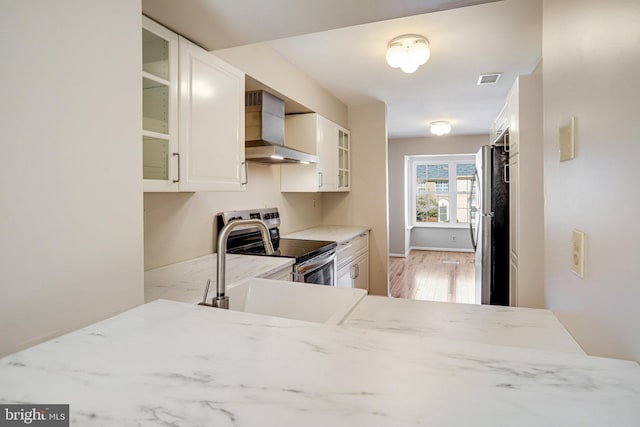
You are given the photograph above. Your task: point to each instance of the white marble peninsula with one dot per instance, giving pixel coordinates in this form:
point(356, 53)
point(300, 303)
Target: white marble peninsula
point(490, 324)
point(390, 363)
point(171, 363)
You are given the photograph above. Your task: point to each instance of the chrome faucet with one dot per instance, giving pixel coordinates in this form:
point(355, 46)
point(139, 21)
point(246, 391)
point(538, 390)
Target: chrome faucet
point(221, 300)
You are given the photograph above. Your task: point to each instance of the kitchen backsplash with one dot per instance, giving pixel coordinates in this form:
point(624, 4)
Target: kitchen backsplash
point(180, 226)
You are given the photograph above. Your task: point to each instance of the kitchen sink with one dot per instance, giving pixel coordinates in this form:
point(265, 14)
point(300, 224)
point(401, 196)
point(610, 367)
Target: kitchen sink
point(294, 300)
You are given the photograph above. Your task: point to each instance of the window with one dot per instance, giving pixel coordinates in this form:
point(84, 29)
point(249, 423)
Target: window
point(464, 176)
point(432, 192)
point(441, 186)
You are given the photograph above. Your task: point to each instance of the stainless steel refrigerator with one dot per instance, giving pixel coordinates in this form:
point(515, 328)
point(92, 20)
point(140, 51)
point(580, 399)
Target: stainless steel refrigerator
point(489, 224)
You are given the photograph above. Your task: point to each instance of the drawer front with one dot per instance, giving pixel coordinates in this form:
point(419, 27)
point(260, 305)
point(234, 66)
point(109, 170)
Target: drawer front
point(360, 244)
point(344, 253)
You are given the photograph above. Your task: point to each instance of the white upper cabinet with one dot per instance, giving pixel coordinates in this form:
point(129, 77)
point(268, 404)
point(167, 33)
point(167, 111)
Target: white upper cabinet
point(327, 144)
point(314, 134)
point(211, 122)
point(344, 160)
point(159, 107)
point(193, 116)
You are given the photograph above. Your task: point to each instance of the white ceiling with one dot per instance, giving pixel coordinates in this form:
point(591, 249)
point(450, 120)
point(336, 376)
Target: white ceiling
point(503, 36)
point(218, 24)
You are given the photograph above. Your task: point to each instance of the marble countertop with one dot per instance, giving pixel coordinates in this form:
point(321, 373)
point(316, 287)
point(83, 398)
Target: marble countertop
point(519, 327)
point(170, 363)
point(185, 281)
point(533, 328)
point(332, 233)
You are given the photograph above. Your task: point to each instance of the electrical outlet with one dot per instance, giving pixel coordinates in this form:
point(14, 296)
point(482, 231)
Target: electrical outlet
point(453, 237)
point(578, 253)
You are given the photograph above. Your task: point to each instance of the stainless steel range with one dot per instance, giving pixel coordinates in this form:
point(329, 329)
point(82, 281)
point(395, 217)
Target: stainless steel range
point(315, 259)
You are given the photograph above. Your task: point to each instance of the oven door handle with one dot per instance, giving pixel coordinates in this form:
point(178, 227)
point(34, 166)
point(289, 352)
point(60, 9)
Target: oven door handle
point(315, 262)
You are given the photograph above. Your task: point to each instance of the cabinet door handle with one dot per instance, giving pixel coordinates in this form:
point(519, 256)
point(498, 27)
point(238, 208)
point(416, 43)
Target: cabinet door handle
point(246, 174)
point(507, 143)
point(505, 174)
point(320, 180)
point(178, 156)
point(357, 271)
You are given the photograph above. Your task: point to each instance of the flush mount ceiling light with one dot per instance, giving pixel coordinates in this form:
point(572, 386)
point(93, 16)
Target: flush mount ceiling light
point(440, 128)
point(408, 52)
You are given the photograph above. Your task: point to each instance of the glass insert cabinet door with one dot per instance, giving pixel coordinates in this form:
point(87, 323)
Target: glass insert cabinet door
point(343, 160)
point(159, 106)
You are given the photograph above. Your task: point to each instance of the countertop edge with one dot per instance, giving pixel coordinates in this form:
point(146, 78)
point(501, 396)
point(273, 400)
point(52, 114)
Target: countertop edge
point(336, 233)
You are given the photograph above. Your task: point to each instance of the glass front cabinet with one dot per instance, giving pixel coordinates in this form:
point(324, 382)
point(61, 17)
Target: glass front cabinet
point(160, 158)
point(192, 116)
point(313, 133)
point(344, 178)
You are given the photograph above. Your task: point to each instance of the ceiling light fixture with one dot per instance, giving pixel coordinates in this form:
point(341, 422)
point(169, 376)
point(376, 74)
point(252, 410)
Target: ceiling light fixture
point(408, 52)
point(440, 128)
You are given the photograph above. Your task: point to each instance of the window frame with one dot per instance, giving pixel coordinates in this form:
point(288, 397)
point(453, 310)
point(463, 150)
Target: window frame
point(451, 160)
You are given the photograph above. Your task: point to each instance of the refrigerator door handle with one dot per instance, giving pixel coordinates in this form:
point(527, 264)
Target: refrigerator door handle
point(474, 210)
point(473, 237)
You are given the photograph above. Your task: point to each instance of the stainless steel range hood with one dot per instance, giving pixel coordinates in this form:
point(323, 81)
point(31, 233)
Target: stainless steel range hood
point(264, 131)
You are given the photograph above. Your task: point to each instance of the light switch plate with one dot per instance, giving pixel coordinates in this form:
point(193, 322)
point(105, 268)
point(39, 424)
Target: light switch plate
point(567, 141)
point(578, 253)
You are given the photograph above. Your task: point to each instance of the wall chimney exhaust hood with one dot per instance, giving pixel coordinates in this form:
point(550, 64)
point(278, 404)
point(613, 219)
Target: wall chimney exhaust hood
point(264, 131)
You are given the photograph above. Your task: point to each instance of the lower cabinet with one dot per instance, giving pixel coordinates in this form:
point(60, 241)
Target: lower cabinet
point(361, 279)
point(353, 263)
point(344, 277)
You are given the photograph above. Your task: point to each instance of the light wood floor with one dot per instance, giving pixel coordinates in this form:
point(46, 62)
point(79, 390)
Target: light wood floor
point(433, 276)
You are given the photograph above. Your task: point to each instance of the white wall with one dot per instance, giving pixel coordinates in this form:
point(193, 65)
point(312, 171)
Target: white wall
point(366, 204)
point(268, 67)
point(441, 239)
point(71, 223)
point(399, 241)
point(591, 61)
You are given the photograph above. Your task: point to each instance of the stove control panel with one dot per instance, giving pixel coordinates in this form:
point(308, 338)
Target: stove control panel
point(270, 216)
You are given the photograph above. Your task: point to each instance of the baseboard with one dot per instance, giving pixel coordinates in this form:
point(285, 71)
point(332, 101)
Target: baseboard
point(428, 248)
point(398, 255)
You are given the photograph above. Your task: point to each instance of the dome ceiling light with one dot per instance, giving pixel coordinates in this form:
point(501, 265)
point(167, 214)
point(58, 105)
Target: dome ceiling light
point(408, 52)
point(440, 128)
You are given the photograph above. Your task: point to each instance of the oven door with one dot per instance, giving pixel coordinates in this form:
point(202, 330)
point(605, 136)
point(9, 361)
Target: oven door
point(320, 270)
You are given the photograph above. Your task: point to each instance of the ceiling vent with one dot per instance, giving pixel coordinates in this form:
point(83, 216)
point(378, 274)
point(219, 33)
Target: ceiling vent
point(488, 79)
